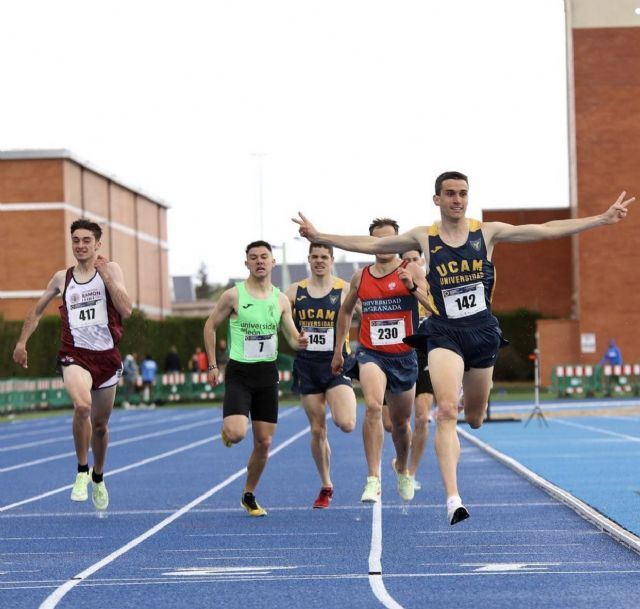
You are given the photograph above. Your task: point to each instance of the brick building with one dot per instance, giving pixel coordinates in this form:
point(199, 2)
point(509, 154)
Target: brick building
point(41, 193)
point(591, 281)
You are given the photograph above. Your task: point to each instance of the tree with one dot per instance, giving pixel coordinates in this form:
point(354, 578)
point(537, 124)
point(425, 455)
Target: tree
point(204, 290)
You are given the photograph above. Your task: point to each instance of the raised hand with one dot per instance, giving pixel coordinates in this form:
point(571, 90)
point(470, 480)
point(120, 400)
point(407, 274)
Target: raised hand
point(306, 229)
point(618, 210)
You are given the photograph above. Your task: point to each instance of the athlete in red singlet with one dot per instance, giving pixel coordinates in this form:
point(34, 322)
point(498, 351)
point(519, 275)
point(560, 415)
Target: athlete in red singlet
point(94, 302)
point(386, 365)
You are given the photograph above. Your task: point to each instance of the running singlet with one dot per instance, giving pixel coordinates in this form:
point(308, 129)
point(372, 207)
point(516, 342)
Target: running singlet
point(389, 312)
point(317, 317)
point(254, 331)
point(89, 317)
point(461, 279)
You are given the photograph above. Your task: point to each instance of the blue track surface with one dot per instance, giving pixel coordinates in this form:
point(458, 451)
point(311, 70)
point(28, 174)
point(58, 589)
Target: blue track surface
point(175, 535)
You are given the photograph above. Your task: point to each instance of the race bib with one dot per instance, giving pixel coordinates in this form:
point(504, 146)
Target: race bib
point(464, 300)
point(320, 339)
point(90, 313)
point(260, 346)
point(386, 331)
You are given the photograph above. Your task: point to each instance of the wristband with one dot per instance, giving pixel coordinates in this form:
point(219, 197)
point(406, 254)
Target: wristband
point(414, 288)
point(212, 368)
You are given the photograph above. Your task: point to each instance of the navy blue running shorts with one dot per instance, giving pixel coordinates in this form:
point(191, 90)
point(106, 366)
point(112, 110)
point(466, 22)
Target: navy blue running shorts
point(476, 344)
point(401, 369)
point(312, 375)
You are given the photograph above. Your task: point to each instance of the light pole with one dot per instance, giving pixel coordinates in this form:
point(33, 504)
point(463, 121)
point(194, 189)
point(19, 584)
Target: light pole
point(259, 157)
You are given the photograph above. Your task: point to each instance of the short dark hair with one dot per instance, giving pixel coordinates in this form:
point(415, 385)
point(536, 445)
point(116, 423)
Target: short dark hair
point(449, 175)
point(259, 243)
point(87, 225)
point(329, 248)
point(413, 249)
point(380, 222)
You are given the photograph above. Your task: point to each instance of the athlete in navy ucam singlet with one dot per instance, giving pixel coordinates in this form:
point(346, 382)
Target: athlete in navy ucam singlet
point(462, 337)
point(316, 301)
point(255, 309)
point(95, 301)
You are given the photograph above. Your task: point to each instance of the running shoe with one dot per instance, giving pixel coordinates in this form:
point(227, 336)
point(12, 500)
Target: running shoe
point(456, 512)
point(100, 496)
point(417, 486)
point(228, 443)
point(249, 503)
point(371, 492)
point(406, 486)
point(79, 490)
point(324, 498)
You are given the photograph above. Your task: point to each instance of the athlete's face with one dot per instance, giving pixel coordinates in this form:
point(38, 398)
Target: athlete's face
point(260, 262)
point(384, 231)
point(453, 199)
point(413, 256)
point(320, 261)
point(84, 244)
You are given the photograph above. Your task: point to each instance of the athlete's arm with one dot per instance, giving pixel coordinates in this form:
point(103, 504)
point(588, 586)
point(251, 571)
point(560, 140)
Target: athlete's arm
point(343, 325)
point(55, 287)
point(113, 279)
point(413, 276)
point(226, 305)
point(297, 340)
point(360, 243)
point(500, 231)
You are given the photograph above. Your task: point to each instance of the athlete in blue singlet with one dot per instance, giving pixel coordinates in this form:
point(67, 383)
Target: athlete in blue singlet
point(315, 302)
point(462, 336)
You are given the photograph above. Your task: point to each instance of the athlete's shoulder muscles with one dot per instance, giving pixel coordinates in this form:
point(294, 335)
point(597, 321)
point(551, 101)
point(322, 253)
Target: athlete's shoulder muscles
point(285, 302)
point(291, 292)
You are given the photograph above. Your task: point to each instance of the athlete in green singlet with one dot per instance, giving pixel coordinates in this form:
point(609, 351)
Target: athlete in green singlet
point(255, 309)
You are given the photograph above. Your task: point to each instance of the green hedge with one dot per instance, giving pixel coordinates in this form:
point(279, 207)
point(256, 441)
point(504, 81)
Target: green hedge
point(142, 336)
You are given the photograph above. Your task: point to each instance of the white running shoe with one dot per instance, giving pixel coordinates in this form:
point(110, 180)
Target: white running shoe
point(456, 512)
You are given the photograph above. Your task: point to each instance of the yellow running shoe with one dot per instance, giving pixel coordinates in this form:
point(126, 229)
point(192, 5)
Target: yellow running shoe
point(371, 492)
point(249, 503)
point(223, 436)
point(406, 486)
point(100, 496)
point(79, 490)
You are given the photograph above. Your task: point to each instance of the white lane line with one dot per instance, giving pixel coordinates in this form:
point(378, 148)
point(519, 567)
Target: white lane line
point(57, 595)
point(605, 432)
point(60, 489)
point(610, 527)
point(375, 559)
point(116, 424)
point(116, 428)
point(147, 436)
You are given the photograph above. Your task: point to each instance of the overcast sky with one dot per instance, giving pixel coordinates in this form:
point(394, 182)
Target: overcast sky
point(347, 108)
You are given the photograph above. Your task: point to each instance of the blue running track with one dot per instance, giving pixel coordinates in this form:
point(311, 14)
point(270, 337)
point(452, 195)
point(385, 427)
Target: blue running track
point(175, 535)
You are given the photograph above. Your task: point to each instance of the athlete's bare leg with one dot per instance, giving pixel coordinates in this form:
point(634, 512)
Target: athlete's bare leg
point(423, 402)
point(77, 382)
point(101, 409)
point(447, 369)
point(476, 384)
point(342, 403)
point(314, 406)
point(386, 418)
point(235, 427)
point(262, 436)
point(373, 382)
point(400, 407)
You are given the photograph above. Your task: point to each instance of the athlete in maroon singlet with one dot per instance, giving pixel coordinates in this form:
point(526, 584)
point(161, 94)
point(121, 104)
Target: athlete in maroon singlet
point(94, 302)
